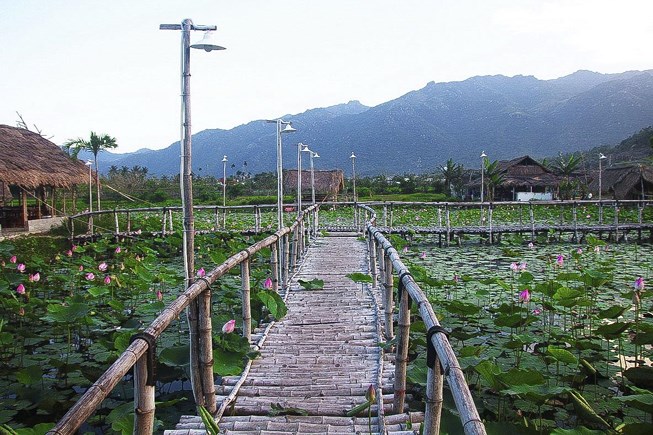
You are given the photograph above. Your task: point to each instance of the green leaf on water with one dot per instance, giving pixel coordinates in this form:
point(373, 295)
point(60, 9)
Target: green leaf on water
point(30, 375)
point(273, 302)
point(643, 402)
point(227, 363)
point(640, 376)
point(612, 330)
point(359, 277)
point(561, 355)
point(612, 313)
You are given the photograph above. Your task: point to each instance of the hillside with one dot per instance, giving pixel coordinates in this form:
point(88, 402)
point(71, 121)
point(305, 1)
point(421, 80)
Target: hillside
point(503, 116)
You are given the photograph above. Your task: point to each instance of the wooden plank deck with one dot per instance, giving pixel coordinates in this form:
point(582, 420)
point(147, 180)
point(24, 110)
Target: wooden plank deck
point(320, 358)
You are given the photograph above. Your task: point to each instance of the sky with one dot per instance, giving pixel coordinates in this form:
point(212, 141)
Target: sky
point(69, 67)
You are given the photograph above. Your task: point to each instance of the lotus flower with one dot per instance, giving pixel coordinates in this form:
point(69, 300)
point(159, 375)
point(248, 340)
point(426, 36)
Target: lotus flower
point(522, 266)
point(118, 250)
point(201, 272)
point(639, 284)
point(405, 249)
point(422, 255)
point(229, 327)
point(268, 283)
point(20, 267)
point(20, 289)
point(102, 267)
point(13, 259)
point(89, 276)
point(597, 249)
point(524, 296)
point(107, 279)
point(159, 295)
point(370, 394)
point(537, 311)
point(560, 260)
point(531, 245)
point(579, 251)
point(514, 267)
point(36, 277)
point(69, 253)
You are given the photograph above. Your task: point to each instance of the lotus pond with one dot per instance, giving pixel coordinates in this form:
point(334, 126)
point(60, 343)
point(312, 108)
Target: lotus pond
point(551, 337)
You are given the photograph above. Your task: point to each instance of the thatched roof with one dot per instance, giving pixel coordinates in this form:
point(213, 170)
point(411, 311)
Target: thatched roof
point(326, 182)
point(527, 172)
point(623, 182)
point(29, 160)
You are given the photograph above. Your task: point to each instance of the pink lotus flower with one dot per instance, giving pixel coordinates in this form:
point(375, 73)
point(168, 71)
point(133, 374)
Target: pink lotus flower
point(405, 249)
point(69, 253)
point(36, 277)
point(514, 267)
point(102, 267)
point(456, 279)
point(537, 311)
point(201, 272)
point(21, 311)
point(597, 249)
point(422, 255)
point(81, 267)
point(370, 394)
point(89, 276)
point(13, 259)
point(639, 284)
point(20, 267)
point(107, 279)
point(159, 295)
point(229, 327)
point(118, 250)
point(522, 266)
point(531, 245)
point(579, 251)
point(560, 260)
point(268, 283)
point(524, 296)
point(74, 248)
point(20, 289)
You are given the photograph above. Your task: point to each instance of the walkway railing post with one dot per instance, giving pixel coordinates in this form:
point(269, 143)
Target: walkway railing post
point(274, 266)
point(205, 357)
point(170, 220)
point(532, 218)
point(245, 299)
point(115, 221)
point(144, 405)
point(286, 261)
point(371, 247)
point(164, 220)
point(388, 301)
point(129, 222)
point(434, 398)
point(575, 217)
point(401, 359)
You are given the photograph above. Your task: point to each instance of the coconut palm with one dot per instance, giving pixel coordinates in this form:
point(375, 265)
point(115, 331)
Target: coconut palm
point(452, 174)
point(94, 145)
point(566, 166)
point(494, 176)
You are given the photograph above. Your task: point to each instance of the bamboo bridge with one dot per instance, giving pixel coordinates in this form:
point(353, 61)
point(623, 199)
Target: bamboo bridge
point(323, 359)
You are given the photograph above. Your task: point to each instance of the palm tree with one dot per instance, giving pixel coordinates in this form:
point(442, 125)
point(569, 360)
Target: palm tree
point(566, 166)
point(94, 144)
point(495, 176)
point(451, 173)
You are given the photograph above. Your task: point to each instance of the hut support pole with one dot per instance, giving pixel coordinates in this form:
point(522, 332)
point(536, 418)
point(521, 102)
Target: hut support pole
point(245, 295)
point(144, 407)
point(401, 359)
point(23, 198)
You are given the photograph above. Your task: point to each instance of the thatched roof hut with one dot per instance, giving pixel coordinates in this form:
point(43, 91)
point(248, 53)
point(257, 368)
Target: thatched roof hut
point(328, 183)
point(30, 164)
point(526, 172)
point(624, 182)
point(29, 160)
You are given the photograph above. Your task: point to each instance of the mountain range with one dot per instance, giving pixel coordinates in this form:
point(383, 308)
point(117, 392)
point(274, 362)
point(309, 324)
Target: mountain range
point(504, 116)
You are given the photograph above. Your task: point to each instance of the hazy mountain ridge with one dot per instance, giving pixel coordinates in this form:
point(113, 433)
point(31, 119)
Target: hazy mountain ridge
point(503, 116)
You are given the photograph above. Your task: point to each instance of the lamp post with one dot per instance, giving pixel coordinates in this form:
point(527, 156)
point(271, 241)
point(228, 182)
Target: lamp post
point(90, 196)
point(282, 127)
point(353, 171)
point(224, 192)
point(312, 155)
point(299, 178)
point(483, 156)
point(203, 392)
point(601, 158)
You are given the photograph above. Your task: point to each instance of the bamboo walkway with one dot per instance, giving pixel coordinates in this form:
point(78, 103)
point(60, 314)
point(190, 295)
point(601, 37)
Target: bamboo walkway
point(321, 358)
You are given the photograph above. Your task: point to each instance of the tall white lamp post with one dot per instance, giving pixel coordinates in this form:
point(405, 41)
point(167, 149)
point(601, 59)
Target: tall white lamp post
point(312, 155)
point(203, 394)
point(282, 127)
point(224, 192)
point(353, 171)
point(601, 158)
point(299, 178)
point(483, 157)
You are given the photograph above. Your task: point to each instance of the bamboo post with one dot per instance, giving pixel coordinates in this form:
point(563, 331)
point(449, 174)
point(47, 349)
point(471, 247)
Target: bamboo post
point(616, 221)
point(434, 398)
point(274, 266)
point(388, 302)
point(391, 215)
point(217, 217)
point(205, 357)
point(115, 222)
point(129, 221)
point(380, 262)
point(440, 217)
point(371, 245)
point(245, 296)
point(532, 217)
point(293, 251)
point(489, 217)
point(448, 217)
point(286, 255)
point(600, 212)
point(164, 219)
point(144, 406)
point(575, 218)
point(401, 359)
point(170, 220)
point(385, 215)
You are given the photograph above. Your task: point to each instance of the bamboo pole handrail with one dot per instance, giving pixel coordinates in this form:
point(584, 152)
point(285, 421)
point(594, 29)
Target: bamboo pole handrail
point(469, 417)
point(96, 393)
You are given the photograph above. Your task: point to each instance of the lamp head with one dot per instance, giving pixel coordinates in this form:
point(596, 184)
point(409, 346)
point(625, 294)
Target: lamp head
point(305, 149)
point(483, 155)
point(353, 156)
point(88, 163)
point(601, 156)
point(224, 159)
point(288, 129)
point(207, 43)
point(316, 155)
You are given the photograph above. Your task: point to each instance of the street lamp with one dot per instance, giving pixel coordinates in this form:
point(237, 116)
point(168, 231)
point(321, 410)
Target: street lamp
point(282, 127)
point(601, 158)
point(483, 156)
point(312, 155)
point(353, 170)
point(90, 196)
point(197, 309)
point(299, 177)
point(224, 191)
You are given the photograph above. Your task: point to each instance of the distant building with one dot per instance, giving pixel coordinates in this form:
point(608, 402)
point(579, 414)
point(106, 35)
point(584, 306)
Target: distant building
point(623, 182)
point(328, 183)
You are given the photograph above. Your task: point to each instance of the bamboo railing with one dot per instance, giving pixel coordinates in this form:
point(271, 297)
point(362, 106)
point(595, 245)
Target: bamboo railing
point(441, 360)
point(141, 352)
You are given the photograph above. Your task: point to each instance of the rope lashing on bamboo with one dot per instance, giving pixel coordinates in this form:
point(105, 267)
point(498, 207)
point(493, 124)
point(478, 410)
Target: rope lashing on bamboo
point(431, 354)
point(401, 287)
point(151, 355)
point(206, 281)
